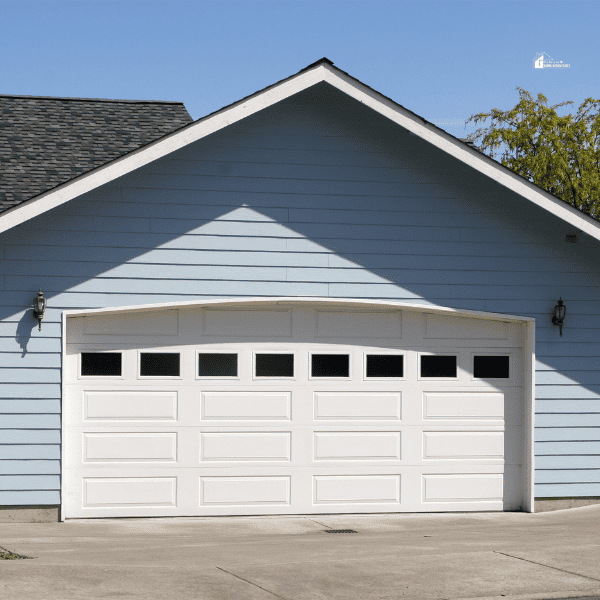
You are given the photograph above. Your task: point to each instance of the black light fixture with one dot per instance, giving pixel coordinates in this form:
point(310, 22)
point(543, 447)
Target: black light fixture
point(560, 310)
point(39, 306)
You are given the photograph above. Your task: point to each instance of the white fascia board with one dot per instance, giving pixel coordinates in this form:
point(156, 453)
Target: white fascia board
point(444, 141)
point(280, 91)
point(286, 300)
point(141, 157)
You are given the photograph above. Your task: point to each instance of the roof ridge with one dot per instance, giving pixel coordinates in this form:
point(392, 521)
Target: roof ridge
point(75, 99)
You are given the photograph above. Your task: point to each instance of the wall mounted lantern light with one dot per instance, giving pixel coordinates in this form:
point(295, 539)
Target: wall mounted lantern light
point(560, 310)
point(39, 306)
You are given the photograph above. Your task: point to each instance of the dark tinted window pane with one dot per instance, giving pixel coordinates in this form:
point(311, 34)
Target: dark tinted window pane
point(490, 367)
point(159, 364)
point(330, 365)
point(101, 364)
point(217, 365)
point(385, 365)
point(274, 365)
point(438, 366)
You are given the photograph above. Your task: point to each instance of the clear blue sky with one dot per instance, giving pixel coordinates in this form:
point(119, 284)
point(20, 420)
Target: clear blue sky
point(444, 60)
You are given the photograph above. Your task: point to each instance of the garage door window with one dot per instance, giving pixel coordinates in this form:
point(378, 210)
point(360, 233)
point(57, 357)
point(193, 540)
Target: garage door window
point(491, 367)
point(385, 366)
point(438, 366)
point(101, 364)
point(273, 365)
point(330, 365)
point(159, 364)
point(217, 364)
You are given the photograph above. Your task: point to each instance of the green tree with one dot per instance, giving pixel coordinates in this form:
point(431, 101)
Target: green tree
point(561, 154)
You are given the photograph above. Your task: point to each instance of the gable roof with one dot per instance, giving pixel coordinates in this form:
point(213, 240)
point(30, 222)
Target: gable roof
point(321, 71)
point(45, 142)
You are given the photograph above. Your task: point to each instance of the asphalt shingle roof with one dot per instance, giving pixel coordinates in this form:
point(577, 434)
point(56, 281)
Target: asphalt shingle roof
point(45, 142)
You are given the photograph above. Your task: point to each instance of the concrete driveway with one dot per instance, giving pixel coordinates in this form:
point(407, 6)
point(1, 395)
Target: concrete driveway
point(483, 555)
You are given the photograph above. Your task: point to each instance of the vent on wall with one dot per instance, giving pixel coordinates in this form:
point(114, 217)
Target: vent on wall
point(571, 238)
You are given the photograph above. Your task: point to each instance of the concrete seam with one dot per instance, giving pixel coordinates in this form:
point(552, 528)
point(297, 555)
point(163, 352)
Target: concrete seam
point(548, 566)
point(251, 583)
point(321, 524)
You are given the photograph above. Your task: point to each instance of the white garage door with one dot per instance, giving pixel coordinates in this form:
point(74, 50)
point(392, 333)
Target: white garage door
point(290, 409)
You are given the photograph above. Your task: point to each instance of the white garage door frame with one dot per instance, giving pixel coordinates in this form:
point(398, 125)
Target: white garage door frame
point(528, 356)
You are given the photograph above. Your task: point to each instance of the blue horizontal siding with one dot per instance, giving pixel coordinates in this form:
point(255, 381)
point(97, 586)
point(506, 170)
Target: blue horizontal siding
point(31, 375)
point(32, 452)
point(566, 490)
point(560, 448)
point(29, 436)
point(566, 434)
point(29, 467)
point(566, 406)
point(29, 360)
point(33, 497)
point(31, 421)
point(568, 377)
point(29, 390)
point(568, 462)
point(567, 476)
point(568, 363)
point(29, 482)
point(583, 419)
point(560, 392)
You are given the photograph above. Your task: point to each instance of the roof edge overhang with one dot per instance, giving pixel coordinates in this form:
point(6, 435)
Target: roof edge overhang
point(282, 301)
point(321, 71)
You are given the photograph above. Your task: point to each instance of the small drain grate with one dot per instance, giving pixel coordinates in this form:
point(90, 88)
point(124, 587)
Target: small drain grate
point(340, 531)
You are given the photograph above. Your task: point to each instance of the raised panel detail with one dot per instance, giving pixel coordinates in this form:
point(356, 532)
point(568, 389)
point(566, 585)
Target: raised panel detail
point(356, 488)
point(358, 405)
point(351, 445)
point(244, 490)
point(240, 323)
point(125, 447)
point(159, 322)
point(129, 491)
point(463, 405)
point(246, 405)
point(382, 324)
point(463, 487)
point(159, 406)
point(246, 446)
point(442, 327)
point(463, 444)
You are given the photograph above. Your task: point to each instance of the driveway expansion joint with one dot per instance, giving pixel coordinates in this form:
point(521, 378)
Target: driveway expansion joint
point(252, 583)
point(533, 562)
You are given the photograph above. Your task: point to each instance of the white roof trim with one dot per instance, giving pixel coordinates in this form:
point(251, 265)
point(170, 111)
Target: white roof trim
point(273, 94)
point(286, 300)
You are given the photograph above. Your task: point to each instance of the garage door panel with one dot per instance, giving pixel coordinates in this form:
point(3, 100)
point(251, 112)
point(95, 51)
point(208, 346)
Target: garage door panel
point(129, 491)
point(246, 490)
point(246, 405)
point(471, 405)
point(441, 445)
point(354, 445)
point(246, 446)
point(125, 447)
point(461, 487)
point(353, 405)
point(129, 405)
point(356, 489)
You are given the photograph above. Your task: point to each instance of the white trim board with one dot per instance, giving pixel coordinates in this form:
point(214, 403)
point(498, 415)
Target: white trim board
point(283, 300)
point(321, 71)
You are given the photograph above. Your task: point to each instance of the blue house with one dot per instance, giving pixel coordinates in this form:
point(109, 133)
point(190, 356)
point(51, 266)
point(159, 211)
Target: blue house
point(310, 301)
